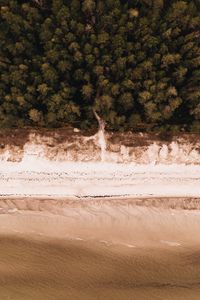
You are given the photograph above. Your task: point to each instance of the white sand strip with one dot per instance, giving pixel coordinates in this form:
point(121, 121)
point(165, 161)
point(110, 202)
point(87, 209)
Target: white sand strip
point(42, 178)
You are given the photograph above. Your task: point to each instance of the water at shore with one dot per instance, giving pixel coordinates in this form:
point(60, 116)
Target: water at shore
point(99, 249)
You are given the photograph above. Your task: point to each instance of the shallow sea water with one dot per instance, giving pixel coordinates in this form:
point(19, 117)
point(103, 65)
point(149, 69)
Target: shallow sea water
point(99, 249)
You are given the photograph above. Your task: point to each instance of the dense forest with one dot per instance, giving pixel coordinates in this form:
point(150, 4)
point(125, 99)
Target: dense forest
point(136, 63)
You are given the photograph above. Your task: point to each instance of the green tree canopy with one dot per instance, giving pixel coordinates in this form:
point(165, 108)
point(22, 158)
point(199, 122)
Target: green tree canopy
point(137, 63)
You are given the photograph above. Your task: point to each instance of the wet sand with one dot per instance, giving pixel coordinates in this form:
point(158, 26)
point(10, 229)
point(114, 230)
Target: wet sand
point(32, 269)
point(99, 249)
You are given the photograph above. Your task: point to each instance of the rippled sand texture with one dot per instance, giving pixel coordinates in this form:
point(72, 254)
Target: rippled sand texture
point(99, 249)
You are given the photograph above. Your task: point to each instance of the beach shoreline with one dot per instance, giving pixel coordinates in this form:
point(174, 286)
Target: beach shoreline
point(119, 249)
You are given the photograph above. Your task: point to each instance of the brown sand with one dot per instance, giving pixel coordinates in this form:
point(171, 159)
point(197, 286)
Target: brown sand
point(32, 269)
point(99, 250)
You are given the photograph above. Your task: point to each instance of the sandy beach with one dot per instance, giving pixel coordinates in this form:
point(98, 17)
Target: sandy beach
point(99, 249)
point(38, 269)
point(65, 179)
point(100, 230)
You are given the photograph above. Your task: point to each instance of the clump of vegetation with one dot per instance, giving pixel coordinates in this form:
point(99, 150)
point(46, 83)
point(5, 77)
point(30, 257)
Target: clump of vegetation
point(137, 63)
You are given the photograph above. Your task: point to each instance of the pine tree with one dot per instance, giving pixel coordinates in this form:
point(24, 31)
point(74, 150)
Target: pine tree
point(135, 62)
